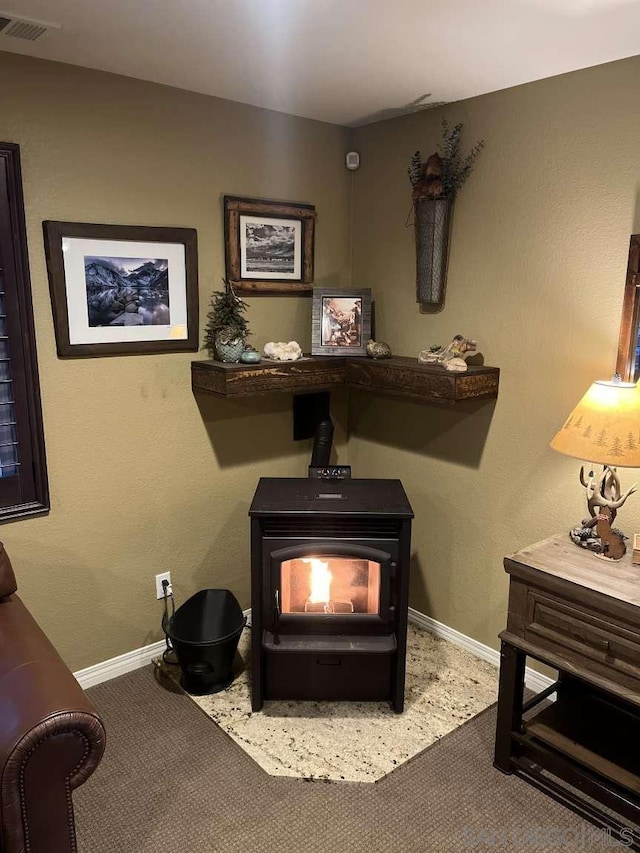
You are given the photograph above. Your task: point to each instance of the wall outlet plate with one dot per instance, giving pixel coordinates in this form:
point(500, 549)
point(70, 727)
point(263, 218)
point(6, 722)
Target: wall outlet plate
point(159, 579)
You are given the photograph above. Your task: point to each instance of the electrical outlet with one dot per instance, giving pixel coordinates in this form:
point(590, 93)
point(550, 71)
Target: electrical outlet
point(159, 578)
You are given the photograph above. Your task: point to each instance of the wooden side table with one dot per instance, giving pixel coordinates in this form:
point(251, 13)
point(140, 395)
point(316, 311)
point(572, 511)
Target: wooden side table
point(580, 615)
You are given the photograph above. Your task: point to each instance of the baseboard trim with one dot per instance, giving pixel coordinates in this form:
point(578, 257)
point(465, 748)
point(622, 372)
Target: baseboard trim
point(138, 658)
point(534, 680)
point(122, 664)
point(119, 665)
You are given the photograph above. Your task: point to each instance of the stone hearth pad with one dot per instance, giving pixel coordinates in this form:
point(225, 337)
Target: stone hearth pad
point(357, 741)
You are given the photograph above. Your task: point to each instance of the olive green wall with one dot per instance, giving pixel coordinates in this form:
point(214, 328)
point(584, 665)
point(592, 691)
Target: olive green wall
point(536, 275)
point(145, 477)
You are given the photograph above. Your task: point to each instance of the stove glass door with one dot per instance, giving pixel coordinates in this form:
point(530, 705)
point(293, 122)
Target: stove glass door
point(330, 584)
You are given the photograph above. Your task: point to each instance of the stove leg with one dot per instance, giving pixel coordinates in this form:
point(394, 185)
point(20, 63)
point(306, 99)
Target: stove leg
point(257, 699)
point(398, 676)
point(257, 690)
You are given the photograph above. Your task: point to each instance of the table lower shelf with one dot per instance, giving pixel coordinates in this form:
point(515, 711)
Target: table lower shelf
point(598, 733)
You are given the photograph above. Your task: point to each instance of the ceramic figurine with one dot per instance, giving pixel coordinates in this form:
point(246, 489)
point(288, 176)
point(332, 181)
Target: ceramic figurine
point(378, 349)
point(452, 356)
point(282, 351)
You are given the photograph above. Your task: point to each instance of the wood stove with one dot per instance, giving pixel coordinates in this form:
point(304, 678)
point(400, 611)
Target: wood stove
point(329, 590)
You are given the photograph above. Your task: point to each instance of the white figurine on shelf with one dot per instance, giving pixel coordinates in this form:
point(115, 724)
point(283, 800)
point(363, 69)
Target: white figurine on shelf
point(450, 357)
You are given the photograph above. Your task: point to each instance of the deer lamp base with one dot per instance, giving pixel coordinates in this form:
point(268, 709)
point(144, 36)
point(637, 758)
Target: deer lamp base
point(611, 548)
point(604, 498)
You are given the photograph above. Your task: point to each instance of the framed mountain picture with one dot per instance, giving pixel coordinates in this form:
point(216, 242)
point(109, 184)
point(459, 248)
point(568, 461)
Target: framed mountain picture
point(122, 289)
point(269, 245)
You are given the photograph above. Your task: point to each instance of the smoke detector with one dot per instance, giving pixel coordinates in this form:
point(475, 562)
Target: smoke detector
point(23, 28)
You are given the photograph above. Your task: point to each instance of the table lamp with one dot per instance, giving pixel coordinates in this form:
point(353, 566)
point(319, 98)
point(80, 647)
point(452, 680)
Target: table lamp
point(604, 429)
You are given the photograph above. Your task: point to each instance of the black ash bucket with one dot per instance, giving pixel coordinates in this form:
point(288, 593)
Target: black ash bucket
point(204, 633)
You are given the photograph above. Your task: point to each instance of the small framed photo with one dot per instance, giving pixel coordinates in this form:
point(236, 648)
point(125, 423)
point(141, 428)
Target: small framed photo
point(122, 289)
point(269, 245)
point(341, 321)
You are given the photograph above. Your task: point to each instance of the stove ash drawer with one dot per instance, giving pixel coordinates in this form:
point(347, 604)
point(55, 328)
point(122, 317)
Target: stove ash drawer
point(335, 668)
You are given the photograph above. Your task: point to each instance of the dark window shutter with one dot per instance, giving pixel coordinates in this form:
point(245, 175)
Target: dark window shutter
point(23, 474)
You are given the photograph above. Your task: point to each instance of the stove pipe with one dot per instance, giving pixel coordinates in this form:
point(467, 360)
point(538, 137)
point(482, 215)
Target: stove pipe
point(322, 442)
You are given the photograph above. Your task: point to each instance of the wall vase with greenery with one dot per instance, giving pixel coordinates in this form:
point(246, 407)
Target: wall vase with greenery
point(435, 184)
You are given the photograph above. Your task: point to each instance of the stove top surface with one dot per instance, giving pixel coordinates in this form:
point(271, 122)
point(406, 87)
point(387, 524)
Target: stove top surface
point(291, 496)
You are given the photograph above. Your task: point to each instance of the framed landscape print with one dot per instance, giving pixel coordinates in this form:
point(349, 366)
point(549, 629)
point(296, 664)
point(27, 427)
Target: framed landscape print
point(269, 245)
point(122, 289)
point(341, 321)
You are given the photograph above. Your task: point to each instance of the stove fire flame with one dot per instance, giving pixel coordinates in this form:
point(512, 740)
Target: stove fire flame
point(321, 579)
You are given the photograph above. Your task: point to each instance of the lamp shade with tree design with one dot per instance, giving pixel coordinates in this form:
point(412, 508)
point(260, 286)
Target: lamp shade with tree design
point(604, 429)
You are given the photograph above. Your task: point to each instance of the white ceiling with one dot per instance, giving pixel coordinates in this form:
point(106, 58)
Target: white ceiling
point(341, 61)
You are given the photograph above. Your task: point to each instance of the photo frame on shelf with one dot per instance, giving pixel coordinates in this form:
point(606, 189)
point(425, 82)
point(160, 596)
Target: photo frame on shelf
point(269, 245)
point(122, 289)
point(341, 321)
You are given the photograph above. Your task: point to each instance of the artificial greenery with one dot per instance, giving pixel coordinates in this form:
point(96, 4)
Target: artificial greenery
point(415, 169)
point(446, 176)
point(456, 168)
point(225, 320)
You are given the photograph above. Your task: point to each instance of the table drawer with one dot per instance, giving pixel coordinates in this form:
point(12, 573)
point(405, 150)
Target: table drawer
point(587, 638)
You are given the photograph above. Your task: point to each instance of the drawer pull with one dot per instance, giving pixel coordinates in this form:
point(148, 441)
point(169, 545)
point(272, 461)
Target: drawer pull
point(574, 639)
point(594, 642)
point(328, 660)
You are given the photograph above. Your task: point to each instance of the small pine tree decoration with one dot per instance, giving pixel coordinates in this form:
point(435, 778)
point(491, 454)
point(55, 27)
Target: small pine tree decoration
point(225, 320)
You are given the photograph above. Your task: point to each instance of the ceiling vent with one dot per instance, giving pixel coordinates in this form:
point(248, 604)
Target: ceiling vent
point(22, 28)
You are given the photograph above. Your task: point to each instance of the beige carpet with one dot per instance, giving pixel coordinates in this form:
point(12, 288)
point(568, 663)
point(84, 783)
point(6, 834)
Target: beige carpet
point(358, 741)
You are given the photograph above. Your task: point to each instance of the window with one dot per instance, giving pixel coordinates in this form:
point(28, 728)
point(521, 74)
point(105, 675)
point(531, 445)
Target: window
point(24, 489)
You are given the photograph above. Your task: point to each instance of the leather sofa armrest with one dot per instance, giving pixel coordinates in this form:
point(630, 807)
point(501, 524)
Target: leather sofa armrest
point(8, 583)
point(51, 738)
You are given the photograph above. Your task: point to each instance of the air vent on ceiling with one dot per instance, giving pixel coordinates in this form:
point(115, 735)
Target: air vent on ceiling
point(22, 28)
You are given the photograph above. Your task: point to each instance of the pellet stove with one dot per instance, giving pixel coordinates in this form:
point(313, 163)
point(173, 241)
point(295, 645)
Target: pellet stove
point(329, 589)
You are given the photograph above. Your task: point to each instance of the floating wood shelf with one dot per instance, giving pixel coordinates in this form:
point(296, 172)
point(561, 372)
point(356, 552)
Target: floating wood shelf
point(317, 373)
point(398, 376)
point(429, 383)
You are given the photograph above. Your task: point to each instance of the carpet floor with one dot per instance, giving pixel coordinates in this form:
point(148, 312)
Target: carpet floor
point(172, 781)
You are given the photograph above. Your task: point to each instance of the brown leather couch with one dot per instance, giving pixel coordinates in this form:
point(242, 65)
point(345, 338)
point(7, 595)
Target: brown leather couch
point(51, 736)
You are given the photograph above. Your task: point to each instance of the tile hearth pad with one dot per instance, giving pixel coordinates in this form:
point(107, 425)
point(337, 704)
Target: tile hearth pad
point(357, 741)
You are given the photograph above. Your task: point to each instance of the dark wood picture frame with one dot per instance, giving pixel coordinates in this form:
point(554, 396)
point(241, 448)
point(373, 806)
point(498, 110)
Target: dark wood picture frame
point(630, 322)
point(54, 232)
point(322, 297)
point(234, 208)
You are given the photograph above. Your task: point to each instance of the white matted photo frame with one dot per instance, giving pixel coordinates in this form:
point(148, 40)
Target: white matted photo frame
point(269, 245)
point(341, 321)
point(122, 289)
